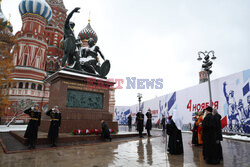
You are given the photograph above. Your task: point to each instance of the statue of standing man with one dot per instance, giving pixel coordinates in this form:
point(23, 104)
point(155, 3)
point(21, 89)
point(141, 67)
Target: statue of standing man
point(70, 54)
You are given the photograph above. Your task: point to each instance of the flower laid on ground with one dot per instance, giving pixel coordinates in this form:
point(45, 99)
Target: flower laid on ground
point(90, 131)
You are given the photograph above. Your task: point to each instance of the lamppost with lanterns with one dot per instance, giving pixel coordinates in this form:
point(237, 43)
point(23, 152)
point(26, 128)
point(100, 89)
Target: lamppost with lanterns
point(207, 65)
point(139, 95)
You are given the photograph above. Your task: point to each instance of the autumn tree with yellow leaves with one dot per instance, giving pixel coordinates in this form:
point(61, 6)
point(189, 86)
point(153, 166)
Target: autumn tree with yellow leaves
point(7, 45)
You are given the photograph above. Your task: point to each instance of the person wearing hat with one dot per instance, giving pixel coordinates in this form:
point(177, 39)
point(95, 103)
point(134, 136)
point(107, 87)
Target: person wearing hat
point(55, 123)
point(149, 122)
point(140, 121)
point(175, 144)
point(210, 146)
point(34, 123)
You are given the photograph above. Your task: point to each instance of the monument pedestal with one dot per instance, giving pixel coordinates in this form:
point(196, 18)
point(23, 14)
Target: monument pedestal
point(83, 100)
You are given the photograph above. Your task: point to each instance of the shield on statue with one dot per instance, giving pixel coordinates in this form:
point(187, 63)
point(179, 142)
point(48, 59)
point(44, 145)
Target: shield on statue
point(105, 68)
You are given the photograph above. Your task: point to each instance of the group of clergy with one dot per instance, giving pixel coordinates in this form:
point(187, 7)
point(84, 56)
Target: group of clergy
point(207, 133)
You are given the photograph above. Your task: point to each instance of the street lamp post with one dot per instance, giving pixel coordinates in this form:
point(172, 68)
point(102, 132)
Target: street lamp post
point(207, 65)
point(139, 95)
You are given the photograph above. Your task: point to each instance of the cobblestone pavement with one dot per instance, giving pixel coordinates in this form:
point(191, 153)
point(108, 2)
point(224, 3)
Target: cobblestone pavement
point(134, 152)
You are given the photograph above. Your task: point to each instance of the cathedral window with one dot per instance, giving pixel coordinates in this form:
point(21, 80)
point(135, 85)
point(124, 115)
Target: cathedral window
point(26, 85)
point(31, 26)
point(20, 85)
point(25, 60)
point(33, 86)
point(39, 87)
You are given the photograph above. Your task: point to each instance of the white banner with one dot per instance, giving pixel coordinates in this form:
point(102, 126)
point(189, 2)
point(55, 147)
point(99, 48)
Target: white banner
point(230, 95)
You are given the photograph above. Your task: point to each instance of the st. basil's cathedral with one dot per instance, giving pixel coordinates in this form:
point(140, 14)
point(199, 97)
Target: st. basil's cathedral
point(40, 50)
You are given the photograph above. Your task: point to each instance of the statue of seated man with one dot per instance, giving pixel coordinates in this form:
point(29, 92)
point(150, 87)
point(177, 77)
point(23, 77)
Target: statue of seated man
point(90, 62)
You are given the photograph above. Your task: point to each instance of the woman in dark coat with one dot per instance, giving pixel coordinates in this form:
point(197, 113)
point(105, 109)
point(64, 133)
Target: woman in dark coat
point(55, 123)
point(210, 147)
point(175, 145)
point(149, 122)
point(105, 131)
point(34, 123)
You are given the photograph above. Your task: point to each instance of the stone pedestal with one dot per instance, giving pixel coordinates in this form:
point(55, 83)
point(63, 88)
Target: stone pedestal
point(83, 100)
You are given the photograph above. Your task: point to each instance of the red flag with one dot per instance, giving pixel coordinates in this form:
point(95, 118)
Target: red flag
point(158, 122)
point(223, 122)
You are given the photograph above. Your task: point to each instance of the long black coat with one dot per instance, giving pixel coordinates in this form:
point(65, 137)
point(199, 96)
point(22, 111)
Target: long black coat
point(175, 145)
point(195, 134)
point(149, 121)
point(129, 120)
point(105, 131)
point(210, 147)
point(34, 123)
point(219, 134)
point(140, 121)
point(54, 123)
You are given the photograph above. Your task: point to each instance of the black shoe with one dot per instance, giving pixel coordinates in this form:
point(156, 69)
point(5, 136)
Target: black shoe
point(30, 147)
point(110, 139)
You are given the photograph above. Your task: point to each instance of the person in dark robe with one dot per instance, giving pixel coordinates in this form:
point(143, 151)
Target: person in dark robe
point(105, 131)
point(219, 137)
point(34, 123)
point(175, 145)
point(195, 132)
point(149, 122)
point(55, 123)
point(140, 122)
point(163, 123)
point(210, 147)
point(129, 122)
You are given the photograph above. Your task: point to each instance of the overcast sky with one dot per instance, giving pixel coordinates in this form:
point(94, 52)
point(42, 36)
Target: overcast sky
point(150, 39)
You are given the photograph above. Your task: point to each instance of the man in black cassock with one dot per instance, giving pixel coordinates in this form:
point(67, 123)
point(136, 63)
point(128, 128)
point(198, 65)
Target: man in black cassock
point(210, 147)
point(55, 123)
point(129, 122)
point(140, 122)
point(175, 145)
point(149, 122)
point(105, 131)
point(34, 123)
point(219, 137)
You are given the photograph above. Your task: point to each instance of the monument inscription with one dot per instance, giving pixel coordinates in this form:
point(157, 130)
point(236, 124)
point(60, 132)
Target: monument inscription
point(84, 99)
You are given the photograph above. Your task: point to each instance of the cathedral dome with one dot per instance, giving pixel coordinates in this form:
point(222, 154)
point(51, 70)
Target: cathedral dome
point(38, 7)
point(87, 33)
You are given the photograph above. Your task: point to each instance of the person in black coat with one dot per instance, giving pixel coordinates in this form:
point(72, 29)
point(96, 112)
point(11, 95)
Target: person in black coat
point(140, 122)
point(210, 147)
point(219, 137)
point(129, 122)
point(149, 122)
point(55, 123)
point(175, 145)
point(105, 131)
point(34, 123)
point(195, 133)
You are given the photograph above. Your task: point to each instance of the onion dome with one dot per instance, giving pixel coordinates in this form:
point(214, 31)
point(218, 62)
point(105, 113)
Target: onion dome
point(4, 20)
point(87, 33)
point(38, 7)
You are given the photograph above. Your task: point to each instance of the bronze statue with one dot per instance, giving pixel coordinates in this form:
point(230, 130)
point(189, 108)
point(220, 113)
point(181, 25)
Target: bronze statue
point(89, 61)
point(70, 54)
